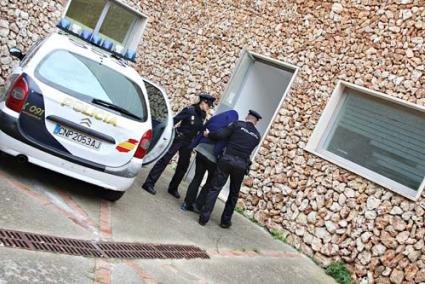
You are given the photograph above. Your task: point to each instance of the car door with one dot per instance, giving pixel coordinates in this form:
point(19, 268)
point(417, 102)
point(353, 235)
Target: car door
point(162, 122)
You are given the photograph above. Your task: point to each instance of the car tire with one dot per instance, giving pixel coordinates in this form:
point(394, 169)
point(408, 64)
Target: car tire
point(112, 195)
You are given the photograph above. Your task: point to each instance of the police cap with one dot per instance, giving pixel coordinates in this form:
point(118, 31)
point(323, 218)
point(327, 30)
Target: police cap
point(255, 114)
point(206, 97)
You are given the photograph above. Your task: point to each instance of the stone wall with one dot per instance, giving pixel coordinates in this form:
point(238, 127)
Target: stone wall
point(326, 211)
point(23, 22)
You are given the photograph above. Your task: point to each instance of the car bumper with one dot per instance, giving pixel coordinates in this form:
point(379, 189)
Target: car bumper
point(12, 142)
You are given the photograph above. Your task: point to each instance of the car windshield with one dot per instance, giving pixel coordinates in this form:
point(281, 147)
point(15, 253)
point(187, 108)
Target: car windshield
point(79, 76)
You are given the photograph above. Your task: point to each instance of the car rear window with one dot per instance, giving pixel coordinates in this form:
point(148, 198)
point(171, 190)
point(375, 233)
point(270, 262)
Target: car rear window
point(86, 79)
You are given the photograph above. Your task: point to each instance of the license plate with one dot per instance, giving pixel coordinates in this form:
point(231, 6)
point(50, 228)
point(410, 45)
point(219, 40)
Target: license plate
point(77, 137)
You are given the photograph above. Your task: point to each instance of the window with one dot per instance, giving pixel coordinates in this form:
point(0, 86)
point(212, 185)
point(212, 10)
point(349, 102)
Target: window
point(159, 111)
point(86, 79)
point(374, 135)
point(89, 20)
point(113, 20)
point(157, 102)
point(118, 22)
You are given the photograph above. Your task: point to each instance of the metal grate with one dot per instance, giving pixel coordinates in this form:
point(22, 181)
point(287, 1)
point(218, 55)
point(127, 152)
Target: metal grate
point(37, 242)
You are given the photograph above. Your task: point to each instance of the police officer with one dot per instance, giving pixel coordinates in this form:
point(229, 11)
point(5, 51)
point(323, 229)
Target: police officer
point(188, 123)
point(243, 138)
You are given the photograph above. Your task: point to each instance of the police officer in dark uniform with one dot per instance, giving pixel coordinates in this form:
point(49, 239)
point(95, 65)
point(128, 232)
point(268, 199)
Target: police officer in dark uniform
point(243, 138)
point(188, 123)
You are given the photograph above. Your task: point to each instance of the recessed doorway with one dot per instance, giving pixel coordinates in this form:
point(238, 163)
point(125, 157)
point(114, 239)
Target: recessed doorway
point(259, 83)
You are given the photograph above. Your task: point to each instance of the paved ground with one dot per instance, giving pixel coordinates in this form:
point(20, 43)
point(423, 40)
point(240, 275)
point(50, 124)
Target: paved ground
point(39, 201)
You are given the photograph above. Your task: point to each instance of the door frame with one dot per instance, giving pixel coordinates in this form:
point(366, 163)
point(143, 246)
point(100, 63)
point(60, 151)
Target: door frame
point(266, 60)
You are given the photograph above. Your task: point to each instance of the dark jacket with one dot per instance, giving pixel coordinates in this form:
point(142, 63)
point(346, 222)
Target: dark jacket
point(192, 120)
point(216, 122)
point(242, 138)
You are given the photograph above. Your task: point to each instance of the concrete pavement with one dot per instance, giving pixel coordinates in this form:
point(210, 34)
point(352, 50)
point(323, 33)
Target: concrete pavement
point(37, 200)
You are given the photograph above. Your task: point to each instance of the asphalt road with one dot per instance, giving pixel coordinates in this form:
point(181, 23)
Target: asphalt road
point(37, 200)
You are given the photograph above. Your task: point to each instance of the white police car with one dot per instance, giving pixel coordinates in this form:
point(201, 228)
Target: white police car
point(78, 110)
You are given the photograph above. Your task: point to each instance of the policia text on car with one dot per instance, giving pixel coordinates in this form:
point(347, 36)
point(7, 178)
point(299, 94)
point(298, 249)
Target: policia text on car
point(190, 121)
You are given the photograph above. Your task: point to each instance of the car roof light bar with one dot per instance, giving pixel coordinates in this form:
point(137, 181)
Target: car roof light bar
point(100, 30)
point(104, 44)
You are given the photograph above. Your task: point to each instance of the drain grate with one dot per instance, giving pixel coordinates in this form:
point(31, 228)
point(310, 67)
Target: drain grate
point(37, 242)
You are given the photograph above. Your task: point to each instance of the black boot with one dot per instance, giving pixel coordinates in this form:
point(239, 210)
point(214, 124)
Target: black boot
point(202, 221)
point(226, 225)
point(196, 209)
point(149, 188)
point(186, 207)
point(174, 193)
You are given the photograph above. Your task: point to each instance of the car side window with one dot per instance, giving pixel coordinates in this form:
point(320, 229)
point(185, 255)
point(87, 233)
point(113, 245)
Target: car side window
point(159, 111)
point(157, 103)
point(31, 52)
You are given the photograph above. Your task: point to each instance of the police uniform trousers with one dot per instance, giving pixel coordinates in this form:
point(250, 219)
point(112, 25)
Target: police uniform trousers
point(182, 146)
point(203, 165)
point(234, 167)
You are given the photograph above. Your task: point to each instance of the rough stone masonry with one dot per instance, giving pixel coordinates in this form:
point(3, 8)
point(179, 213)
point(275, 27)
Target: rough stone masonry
point(326, 211)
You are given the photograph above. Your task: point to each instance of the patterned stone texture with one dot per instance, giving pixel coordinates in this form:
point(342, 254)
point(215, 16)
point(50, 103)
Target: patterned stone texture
point(326, 211)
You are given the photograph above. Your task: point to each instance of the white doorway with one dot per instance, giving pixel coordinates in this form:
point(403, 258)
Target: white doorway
point(259, 83)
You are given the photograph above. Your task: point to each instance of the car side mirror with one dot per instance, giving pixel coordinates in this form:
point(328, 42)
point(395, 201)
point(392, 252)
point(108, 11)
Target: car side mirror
point(16, 52)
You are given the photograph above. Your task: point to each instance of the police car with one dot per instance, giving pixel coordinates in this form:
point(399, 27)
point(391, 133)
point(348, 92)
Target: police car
point(75, 108)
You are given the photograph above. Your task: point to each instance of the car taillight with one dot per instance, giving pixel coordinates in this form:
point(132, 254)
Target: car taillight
point(18, 94)
point(144, 144)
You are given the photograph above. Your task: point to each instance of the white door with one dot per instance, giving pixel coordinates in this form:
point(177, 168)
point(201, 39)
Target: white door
point(233, 90)
point(162, 122)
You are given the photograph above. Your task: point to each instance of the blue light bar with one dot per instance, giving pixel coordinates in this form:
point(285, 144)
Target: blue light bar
point(117, 50)
point(75, 29)
point(97, 40)
point(108, 45)
point(86, 35)
point(64, 24)
point(130, 55)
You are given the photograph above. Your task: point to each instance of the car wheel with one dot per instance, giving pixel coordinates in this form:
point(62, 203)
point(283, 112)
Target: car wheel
point(112, 195)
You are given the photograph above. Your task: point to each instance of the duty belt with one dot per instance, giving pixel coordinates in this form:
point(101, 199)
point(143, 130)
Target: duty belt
point(235, 154)
point(181, 135)
point(178, 133)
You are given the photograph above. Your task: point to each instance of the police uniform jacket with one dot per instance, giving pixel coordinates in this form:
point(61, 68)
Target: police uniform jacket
point(242, 137)
point(192, 119)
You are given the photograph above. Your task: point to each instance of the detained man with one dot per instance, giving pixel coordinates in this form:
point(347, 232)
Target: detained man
point(207, 153)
